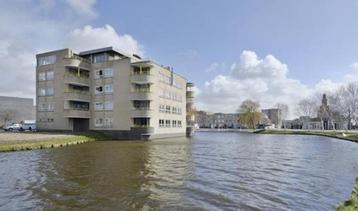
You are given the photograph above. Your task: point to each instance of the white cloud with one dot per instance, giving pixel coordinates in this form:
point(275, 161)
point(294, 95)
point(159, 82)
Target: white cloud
point(215, 66)
point(83, 7)
point(264, 80)
point(89, 37)
point(30, 27)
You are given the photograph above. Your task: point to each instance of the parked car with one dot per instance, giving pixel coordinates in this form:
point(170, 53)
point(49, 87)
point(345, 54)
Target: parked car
point(28, 125)
point(12, 127)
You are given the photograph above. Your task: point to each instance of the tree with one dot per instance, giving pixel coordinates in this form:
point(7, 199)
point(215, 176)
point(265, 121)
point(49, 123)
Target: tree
point(345, 102)
point(307, 107)
point(249, 113)
point(7, 115)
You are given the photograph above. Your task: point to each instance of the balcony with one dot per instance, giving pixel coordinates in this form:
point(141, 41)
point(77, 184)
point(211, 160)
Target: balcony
point(189, 94)
point(75, 80)
point(142, 78)
point(142, 112)
point(82, 96)
point(76, 113)
point(78, 62)
point(141, 95)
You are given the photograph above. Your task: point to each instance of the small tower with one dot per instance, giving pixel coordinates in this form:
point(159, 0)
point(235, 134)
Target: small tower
point(190, 111)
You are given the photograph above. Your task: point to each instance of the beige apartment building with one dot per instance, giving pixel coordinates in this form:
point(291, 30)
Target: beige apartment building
point(110, 91)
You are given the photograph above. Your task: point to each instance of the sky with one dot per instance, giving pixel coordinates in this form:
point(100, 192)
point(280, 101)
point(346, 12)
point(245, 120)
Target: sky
point(277, 51)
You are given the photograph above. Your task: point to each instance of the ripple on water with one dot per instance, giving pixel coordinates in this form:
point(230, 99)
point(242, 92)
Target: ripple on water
point(211, 171)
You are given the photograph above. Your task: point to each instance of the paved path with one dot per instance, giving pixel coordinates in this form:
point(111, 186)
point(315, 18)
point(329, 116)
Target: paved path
point(27, 136)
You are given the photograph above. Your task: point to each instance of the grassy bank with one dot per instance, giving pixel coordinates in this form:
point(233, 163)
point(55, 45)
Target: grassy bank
point(352, 203)
point(345, 135)
point(49, 142)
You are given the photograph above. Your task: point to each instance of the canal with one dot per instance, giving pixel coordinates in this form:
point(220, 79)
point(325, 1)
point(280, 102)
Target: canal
point(211, 171)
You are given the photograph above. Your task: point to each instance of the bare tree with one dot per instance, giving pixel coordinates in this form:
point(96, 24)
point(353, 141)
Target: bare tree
point(249, 113)
point(7, 115)
point(307, 107)
point(284, 110)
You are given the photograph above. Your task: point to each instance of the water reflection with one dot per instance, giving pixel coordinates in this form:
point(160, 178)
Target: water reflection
point(211, 171)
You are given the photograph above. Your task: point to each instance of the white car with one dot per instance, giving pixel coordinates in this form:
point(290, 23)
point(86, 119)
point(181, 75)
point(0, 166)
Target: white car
point(13, 127)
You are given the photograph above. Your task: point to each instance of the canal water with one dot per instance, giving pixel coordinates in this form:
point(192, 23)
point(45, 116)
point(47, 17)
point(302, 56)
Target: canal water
point(210, 171)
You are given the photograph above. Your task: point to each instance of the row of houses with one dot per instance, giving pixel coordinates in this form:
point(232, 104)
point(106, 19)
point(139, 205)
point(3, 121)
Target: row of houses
point(325, 120)
point(269, 118)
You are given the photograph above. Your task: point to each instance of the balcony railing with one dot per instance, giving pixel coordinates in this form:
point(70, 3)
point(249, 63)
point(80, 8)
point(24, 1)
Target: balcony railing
point(76, 113)
point(75, 61)
point(78, 95)
point(189, 94)
point(76, 80)
point(141, 112)
point(142, 78)
point(141, 95)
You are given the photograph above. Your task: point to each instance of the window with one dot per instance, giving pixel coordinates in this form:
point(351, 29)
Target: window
point(51, 107)
point(161, 123)
point(99, 58)
point(98, 106)
point(42, 92)
point(45, 60)
point(49, 75)
point(42, 107)
point(167, 109)
point(108, 122)
point(108, 72)
point(49, 91)
point(174, 110)
point(167, 123)
point(98, 122)
point(179, 123)
point(174, 123)
point(42, 76)
point(108, 105)
point(98, 90)
point(98, 74)
point(162, 108)
point(108, 88)
point(177, 84)
point(164, 78)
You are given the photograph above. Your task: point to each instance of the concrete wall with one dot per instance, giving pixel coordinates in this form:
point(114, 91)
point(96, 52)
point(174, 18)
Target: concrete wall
point(19, 109)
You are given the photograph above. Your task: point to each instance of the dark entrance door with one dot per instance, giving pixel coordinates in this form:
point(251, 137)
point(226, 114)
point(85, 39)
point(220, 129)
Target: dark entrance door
point(80, 125)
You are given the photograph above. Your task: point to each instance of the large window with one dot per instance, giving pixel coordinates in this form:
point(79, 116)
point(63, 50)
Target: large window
point(98, 90)
point(49, 75)
point(98, 122)
point(44, 60)
point(42, 92)
point(108, 72)
point(99, 58)
point(98, 106)
point(49, 91)
point(167, 123)
point(104, 73)
point(108, 88)
point(108, 105)
point(108, 122)
point(42, 76)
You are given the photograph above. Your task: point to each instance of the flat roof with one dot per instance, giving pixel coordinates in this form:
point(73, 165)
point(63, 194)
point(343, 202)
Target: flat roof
point(159, 65)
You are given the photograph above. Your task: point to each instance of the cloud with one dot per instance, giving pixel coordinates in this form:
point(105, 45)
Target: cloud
point(215, 66)
point(30, 27)
point(83, 7)
point(88, 37)
point(264, 80)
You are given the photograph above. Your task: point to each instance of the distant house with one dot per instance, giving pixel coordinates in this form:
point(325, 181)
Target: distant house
point(325, 120)
point(217, 120)
point(15, 110)
point(274, 115)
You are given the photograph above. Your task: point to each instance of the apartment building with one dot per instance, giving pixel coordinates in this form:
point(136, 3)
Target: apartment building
point(110, 91)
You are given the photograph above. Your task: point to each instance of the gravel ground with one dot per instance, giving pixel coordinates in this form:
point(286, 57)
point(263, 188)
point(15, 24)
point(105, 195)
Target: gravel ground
point(29, 136)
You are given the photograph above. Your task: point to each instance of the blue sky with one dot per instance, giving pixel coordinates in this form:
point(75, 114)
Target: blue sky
point(269, 51)
point(316, 39)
